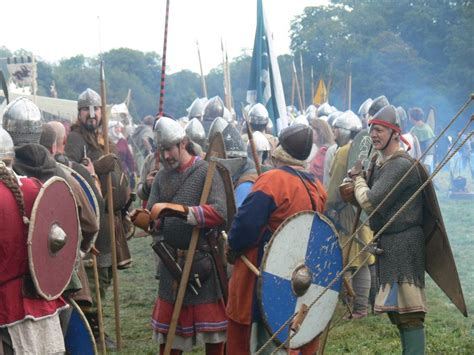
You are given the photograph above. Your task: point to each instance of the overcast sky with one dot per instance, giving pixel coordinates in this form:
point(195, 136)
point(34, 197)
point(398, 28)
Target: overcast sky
point(55, 29)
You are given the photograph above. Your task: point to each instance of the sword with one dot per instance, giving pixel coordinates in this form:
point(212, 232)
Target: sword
point(173, 267)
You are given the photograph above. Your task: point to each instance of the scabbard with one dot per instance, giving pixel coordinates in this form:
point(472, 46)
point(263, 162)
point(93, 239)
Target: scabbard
point(211, 238)
point(171, 265)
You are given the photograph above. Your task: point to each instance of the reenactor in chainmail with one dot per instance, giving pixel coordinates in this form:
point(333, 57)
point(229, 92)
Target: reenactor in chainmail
point(85, 144)
point(214, 108)
point(259, 119)
point(401, 266)
point(176, 210)
point(196, 109)
point(342, 214)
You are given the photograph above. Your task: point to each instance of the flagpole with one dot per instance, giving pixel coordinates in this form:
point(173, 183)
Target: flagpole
point(302, 83)
point(163, 62)
point(203, 79)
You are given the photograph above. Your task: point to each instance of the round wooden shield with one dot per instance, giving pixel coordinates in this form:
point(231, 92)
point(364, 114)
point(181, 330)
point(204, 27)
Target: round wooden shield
point(53, 238)
point(79, 339)
point(90, 197)
point(360, 147)
point(306, 239)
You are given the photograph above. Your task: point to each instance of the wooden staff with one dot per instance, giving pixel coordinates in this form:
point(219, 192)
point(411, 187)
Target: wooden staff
point(163, 62)
point(229, 82)
point(293, 88)
point(302, 82)
point(188, 263)
point(203, 79)
point(100, 314)
point(312, 84)
point(110, 204)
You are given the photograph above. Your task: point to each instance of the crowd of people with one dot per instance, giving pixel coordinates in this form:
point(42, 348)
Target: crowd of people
point(163, 160)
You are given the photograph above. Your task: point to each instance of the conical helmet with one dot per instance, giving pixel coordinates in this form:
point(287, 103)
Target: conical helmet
point(297, 140)
point(7, 149)
point(197, 108)
point(377, 104)
point(258, 115)
point(218, 125)
point(89, 98)
point(22, 119)
point(301, 119)
point(234, 144)
point(364, 107)
point(168, 132)
point(387, 116)
point(348, 120)
point(325, 109)
point(214, 108)
point(195, 131)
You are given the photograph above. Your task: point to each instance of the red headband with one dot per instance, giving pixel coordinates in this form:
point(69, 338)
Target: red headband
point(392, 126)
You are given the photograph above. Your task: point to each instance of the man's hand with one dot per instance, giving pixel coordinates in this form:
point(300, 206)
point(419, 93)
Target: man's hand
point(149, 178)
point(357, 170)
point(105, 164)
point(87, 162)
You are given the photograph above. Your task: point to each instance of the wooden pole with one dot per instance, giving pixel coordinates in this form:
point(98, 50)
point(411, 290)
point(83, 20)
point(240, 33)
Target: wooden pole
point(163, 62)
point(302, 83)
point(312, 85)
point(110, 215)
point(100, 314)
point(203, 79)
point(188, 263)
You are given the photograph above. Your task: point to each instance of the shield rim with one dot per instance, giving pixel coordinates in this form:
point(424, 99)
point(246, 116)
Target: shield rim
point(96, 208)
point(49, 182)
point(265, 256)
point(76, 307)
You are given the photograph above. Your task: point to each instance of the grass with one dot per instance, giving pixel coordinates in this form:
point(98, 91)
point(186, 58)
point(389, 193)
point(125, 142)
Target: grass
point(447, 331)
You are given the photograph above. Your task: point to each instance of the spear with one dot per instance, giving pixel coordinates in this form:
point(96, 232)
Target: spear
point(295, 75)
point(302, 81)
point(229, 81)
point(110, 203)
point(226, 80)
point(312, 86)
point(163, 62)
point(203, 79)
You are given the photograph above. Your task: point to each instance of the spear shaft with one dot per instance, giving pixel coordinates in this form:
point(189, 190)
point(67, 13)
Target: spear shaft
point(110, 215)
point(163, 62)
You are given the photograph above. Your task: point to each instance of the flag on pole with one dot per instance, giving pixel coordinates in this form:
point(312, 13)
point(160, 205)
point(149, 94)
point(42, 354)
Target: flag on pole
point(265, 85)
point(321, 95)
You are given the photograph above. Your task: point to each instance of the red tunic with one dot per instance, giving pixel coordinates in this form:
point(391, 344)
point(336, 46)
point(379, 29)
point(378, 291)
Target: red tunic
point(14, 259)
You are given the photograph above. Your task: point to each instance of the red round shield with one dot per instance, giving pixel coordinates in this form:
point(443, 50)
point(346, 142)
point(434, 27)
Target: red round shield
point(53, 238)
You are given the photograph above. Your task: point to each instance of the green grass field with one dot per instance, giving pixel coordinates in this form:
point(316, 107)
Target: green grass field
point(447, 331)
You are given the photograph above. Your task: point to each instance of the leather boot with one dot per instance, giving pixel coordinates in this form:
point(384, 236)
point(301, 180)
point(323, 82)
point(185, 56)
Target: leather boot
point(413, 341)
point(93, 320)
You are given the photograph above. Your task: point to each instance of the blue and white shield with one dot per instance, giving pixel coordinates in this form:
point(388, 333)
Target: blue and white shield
point(305, 241)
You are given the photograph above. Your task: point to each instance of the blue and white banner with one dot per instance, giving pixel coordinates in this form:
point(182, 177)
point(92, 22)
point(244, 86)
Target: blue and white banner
point(265, 85)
